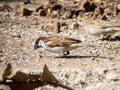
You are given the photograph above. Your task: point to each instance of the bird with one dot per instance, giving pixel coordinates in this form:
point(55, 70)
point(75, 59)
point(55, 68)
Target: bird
point(59, 44)
point(102, 29)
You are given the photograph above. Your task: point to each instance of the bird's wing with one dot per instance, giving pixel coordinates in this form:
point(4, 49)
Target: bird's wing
point(61, 41)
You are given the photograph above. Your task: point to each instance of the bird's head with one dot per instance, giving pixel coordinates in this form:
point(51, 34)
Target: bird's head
point(38, 42)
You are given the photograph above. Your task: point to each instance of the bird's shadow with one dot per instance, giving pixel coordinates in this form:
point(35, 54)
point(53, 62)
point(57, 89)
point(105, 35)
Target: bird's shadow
point(77, 56)
point(117, 38)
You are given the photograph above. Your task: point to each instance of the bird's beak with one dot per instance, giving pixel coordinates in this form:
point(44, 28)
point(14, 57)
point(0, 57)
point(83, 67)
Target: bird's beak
point(84, 39)
point(35, 47)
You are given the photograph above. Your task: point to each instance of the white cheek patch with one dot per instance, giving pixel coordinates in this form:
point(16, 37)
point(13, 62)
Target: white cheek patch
point(40, 43)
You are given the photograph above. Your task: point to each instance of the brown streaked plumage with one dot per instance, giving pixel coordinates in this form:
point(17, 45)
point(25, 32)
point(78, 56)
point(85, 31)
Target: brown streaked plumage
point(58, 41)
point(57, 44)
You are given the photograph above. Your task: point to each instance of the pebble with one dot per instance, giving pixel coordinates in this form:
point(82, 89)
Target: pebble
point(112, 75)
point(110, 58)
point(77, 77)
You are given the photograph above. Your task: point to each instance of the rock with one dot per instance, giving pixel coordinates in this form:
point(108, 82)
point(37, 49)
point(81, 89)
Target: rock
point(62, 26)
point(68, 14)
point(54, 14)
point(89, 6)
point(6, 8)
point(35, 21)
point(62, 12)
point(42, 12)
point(96, 1)
point(64, 74)
point(27, 1)
point(112, 75)
point(82, 3)
point(98, 12)
point(52, 27)
point(118, 6)
point(110, 58)
point(74, 25)
point(57, 7)
point(22, 11)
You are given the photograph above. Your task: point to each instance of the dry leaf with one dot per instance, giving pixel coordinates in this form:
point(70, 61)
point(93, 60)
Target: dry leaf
point(7, 72)
point(23, 81)
point(47, 76)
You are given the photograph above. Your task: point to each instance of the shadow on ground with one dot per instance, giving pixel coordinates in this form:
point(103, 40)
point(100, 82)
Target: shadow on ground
point(77, 56)
point(117, 38)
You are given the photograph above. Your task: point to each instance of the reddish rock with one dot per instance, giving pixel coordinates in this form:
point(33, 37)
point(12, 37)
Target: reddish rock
point(22, 11)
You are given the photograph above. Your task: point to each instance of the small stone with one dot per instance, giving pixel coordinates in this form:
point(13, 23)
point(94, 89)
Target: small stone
point(83, 83)
point(112, 75)
point(58, 64)
point(110, 58)
point(43, 12)
point(57, 7)
point(51, 27)
point(118, 6)
point(27, 1)
point(75, 25)
point(22, 11)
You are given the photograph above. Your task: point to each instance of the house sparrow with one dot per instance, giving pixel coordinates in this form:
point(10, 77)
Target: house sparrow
point(102, 31)
point(100, 28)
point(57, 44)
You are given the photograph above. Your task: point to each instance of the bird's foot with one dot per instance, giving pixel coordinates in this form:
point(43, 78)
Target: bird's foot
point(62, 55)
point(67, 53)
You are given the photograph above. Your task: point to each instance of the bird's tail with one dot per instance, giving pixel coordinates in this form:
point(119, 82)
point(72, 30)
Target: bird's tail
point(113, 28)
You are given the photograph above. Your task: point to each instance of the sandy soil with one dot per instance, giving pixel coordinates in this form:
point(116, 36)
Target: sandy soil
point(86, 68)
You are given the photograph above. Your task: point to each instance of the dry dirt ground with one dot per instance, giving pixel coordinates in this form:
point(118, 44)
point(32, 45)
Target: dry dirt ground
point(86, 68)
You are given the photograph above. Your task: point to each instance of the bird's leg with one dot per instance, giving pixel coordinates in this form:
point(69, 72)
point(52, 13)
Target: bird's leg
point(62, 55)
